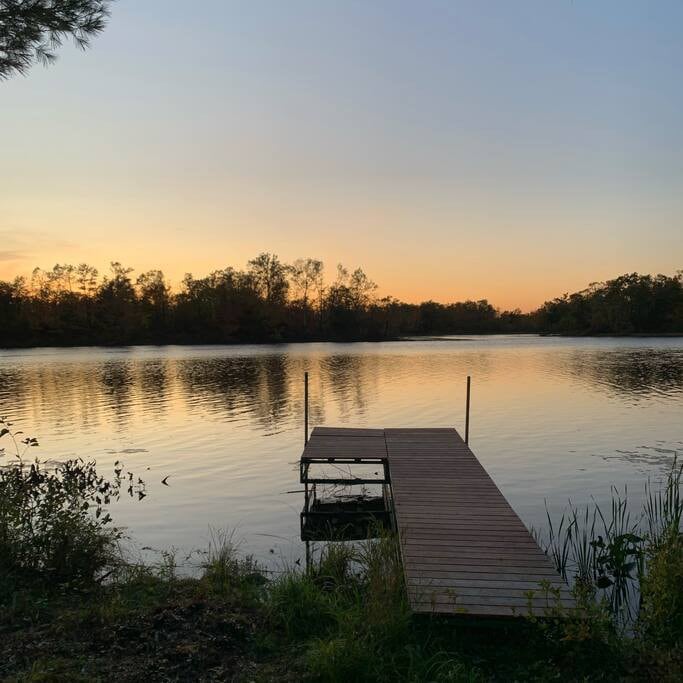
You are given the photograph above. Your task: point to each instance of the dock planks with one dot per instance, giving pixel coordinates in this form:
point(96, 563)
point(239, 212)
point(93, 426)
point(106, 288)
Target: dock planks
point(331, 443)
point(464, 549)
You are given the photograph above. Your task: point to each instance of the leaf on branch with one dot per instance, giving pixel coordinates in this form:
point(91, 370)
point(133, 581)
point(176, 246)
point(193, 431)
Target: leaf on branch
point(32, 30)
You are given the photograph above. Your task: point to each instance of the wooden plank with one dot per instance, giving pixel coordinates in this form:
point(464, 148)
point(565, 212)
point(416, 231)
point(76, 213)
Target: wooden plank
point(483, 577)
point(504, 583)
point(416, 524)
point(483, 611)
point(456, 522)
point(465, 534)
point(455, 542)
point(461, 590)
point(442, 598)
point(482, 555)
point(501, 569)
point(496, 508)
point(346, 432)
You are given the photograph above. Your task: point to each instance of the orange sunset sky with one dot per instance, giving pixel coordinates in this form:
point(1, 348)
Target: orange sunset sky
point(508, 151)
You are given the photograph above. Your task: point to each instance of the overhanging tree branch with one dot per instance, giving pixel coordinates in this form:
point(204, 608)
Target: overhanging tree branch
point(32, 30)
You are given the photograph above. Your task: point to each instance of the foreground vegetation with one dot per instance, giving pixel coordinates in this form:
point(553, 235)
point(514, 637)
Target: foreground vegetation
point(71, 608)
point(273, 301)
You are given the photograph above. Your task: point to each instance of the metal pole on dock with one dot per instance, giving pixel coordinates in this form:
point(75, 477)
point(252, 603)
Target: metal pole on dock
point(305, 408)
point(467, 411)
point(306, 489)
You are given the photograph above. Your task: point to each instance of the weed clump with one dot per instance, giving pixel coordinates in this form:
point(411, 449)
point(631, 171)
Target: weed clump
point(55, 528)
point(661, 614)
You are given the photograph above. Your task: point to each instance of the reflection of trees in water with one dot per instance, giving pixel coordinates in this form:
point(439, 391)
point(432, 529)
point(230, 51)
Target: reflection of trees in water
point(153, 378)
point(13, 390)
point(265, 390)
point(274, 390)
point(358, 381)
point(60, 397)
point(638, 373)
point(349, 379)
point(257, 385)
point(269, 388)
point(116, 377)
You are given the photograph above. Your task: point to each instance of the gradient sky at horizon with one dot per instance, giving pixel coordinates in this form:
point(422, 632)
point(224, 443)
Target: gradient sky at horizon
point(503, 150)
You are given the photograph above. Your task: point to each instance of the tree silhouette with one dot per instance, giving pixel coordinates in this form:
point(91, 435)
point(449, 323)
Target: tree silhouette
point(270, 277)
point(306, 276)
point(629, 304)
point(272, 301)
point(32, 30)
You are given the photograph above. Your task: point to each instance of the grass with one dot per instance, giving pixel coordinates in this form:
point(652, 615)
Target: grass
point(346, 619)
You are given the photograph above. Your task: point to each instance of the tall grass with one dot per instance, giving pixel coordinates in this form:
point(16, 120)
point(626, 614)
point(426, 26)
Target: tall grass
point(664, 506)
point(227, 574)
point(607, 552)
point(349, 618)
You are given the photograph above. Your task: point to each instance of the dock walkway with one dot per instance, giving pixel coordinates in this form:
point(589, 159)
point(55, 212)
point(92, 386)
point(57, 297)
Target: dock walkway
point(463, 547)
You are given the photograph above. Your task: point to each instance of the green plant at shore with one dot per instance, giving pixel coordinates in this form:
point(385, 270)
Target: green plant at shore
point(225, 573)
point(55, 528)
point(661, 616)
point(616, 558)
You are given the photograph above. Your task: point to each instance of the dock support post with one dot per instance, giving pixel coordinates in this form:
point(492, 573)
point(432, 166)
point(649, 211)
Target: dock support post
point(467, 411)
point(305, 408)
point(306, 490)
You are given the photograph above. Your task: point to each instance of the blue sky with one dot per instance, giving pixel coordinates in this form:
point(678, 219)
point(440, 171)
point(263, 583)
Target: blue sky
point(509, 150)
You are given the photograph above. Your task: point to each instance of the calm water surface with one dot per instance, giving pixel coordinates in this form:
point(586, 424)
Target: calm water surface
point(552, 418)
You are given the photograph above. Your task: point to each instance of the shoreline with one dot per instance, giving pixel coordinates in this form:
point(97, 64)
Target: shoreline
point(456, 337)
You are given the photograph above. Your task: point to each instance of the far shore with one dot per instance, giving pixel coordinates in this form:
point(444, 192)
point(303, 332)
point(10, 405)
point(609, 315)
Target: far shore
point(457, 337)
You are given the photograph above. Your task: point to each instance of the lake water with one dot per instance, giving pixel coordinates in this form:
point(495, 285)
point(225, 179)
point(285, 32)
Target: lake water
point(552, 418)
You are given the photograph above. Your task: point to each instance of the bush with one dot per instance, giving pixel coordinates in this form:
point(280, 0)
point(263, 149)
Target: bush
point(661, 615)
point(54, 524)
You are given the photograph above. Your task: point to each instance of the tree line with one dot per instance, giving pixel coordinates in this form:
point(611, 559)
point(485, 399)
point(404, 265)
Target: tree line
point(628, 304)
point(272, 301)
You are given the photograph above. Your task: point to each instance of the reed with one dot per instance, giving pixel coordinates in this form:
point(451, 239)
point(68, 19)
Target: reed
point(605, 551)
point(663, 506)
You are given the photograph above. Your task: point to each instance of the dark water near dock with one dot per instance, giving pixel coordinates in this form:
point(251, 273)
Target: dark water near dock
point(552, 418)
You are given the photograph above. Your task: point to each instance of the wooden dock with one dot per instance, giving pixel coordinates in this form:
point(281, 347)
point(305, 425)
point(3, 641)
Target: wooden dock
point(464, 549)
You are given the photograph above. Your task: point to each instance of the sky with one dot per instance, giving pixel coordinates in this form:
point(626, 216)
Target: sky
point(454, 150)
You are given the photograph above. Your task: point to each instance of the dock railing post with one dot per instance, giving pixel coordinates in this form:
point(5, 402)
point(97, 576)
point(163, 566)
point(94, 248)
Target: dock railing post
point(306, 466)
point(305, 408)
point(467, 411)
